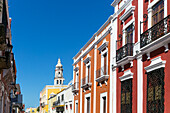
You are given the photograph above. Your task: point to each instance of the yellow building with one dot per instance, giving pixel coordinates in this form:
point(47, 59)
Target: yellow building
point(31, 110)
point(51, 90)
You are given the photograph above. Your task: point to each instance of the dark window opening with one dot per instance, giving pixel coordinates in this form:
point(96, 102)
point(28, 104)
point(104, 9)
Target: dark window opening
point(155, 91)
point(126, 96)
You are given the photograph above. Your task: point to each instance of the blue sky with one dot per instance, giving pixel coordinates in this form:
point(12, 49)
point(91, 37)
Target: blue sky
point(45, 30)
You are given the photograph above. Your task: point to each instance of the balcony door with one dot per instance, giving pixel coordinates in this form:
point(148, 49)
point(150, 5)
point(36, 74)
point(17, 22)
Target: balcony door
point(129, 35)
point(158, 12)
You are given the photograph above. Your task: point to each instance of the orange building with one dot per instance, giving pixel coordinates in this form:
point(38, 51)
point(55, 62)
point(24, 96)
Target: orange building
point(92, 73)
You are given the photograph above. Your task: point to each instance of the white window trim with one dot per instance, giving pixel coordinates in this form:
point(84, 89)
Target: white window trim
point(156, 63)
point(102, 59)
point(150, 5)
point(101, 101)
point(131, 22)
point(77, 79)
point(86, 96)
point(127, 75)
point(104, 45)
point(128, 12)
point(88, 64)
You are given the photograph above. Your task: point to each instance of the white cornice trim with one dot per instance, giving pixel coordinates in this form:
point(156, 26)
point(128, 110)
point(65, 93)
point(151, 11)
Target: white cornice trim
point(115, 2)
point(127, 75)
point(127, 13)
point(156, 63)
point(87, 59)
point(126, 4)
point(103, 46)
point(91, 46)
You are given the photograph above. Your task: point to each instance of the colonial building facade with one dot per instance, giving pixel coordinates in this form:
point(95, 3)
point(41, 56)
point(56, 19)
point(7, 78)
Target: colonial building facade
point(8, 87)
point(123, 68)
point(51, 90)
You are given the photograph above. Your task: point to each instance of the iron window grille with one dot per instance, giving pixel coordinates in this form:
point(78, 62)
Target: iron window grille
point(155, 91)
point(126, 96)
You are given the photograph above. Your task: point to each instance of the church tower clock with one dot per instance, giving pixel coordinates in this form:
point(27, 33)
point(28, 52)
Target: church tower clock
point(58, 80)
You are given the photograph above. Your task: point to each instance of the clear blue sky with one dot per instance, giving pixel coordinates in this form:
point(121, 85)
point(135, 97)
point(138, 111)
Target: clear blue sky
point(43, 31)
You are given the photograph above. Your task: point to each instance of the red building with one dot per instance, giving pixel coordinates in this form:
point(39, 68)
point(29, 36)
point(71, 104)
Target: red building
point(124, 69)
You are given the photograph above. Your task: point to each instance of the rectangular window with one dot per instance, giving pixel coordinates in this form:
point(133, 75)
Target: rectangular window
point(126, 96)
point(158, 12)
point(129, 35)
point(104, 104)
point(76, 107)
point(62, 97)
point(88, 73)
point(58, 99)
point(105, 64)
point(88, 104)
point(155, 91)
point(66, 107)
point(71, 106)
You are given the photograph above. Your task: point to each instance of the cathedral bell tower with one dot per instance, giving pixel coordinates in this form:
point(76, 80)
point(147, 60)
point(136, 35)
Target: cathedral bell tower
point(58, 80)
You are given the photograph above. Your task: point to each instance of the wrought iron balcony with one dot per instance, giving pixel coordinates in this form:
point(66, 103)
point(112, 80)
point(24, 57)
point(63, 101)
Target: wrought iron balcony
point(17, 100)
point(125, 51)
point(75, 87)
point(102, 74)
point(86, 82)
point(155, 32)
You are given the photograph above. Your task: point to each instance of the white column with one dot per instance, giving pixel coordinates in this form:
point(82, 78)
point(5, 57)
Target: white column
point(139, 84)
point(165, 8)
point(72, 94)
point(139, 58)
point(110, 64)
point(81, 89)
point(95, 64)
point(113, 51)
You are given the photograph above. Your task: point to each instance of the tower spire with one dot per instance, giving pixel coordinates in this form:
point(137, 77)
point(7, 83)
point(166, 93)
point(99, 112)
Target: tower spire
point(58, 80)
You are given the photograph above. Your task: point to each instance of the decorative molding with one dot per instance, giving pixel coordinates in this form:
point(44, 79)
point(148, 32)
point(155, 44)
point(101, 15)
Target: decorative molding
point(88, 58)
point(127, 13)
point(126, 4)
point(103, 46)
point(127, 75)
point(156, 63)
point(76, 68)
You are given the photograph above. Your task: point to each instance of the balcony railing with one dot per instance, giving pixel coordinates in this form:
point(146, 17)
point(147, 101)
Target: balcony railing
point(75, 87)
point(155, 32)
point(102, 71)
point(102, 74)
point(126, 50)
point(86, 82)
point(17, 100)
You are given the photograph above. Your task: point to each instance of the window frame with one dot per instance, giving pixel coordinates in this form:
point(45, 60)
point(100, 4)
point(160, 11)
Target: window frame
point(125, 103)
point(87, 96)
point(101, 101)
